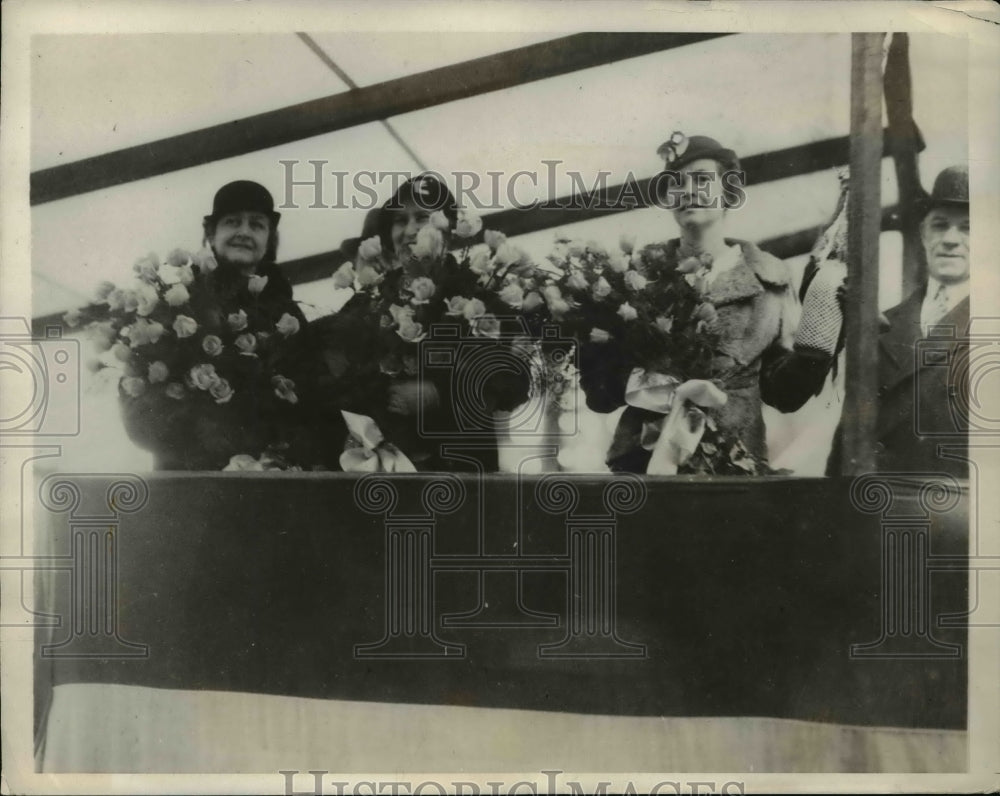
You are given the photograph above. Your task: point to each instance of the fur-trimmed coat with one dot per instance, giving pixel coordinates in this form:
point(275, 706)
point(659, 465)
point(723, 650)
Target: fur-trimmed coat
point(757, 313)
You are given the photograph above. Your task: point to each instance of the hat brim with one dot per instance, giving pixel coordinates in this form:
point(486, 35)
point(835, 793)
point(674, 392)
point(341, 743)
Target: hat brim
point(925, 204)
point(273, 215)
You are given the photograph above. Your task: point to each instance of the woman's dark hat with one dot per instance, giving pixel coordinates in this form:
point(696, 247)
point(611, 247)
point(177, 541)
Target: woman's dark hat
point(427, 192)
point(951, 189)
point(679, 150)
point(243, 196)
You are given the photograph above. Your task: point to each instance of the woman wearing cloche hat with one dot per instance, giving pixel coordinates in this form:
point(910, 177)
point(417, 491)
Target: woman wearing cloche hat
point(701, 185)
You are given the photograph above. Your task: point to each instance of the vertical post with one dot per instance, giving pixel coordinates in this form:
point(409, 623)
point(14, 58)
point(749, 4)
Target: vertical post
point(864, 227)
point(905, 142)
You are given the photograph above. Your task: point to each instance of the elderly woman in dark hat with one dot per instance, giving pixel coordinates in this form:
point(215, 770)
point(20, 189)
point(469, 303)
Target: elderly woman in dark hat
point(242, 233)
point(750, 289)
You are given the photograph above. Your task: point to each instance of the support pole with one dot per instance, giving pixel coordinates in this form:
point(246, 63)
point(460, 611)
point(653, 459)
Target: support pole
point(904, 142)
point(864, 226)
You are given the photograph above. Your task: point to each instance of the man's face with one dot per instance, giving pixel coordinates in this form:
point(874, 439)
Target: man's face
point(945, 234)
point(241, 238)
point(406, 224)
point(699, 198)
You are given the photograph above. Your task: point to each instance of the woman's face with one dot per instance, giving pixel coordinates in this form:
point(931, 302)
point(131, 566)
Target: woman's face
point(699, 196)
point(406, 224)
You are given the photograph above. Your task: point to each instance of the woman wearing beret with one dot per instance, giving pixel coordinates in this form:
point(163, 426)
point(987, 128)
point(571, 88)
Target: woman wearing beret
point(749, 288)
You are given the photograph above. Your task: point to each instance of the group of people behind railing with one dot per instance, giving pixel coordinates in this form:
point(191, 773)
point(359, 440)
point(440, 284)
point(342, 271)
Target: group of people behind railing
point(451, 326)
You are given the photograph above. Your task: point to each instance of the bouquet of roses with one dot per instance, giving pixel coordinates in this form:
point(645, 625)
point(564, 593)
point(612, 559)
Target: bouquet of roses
point(640, 319)
point(179, 343)
point(489, 292)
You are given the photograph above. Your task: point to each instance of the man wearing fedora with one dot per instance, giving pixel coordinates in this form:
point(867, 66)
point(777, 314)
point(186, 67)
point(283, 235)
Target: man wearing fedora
point(921, 347)
point(919, 393)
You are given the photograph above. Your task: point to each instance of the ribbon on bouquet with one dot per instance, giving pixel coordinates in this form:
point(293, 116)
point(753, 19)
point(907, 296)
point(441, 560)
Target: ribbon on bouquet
point(371, 453)
point(682, 403)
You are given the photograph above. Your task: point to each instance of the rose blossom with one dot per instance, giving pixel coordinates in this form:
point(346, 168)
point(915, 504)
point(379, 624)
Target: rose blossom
point(157, 372)
point(221, 391)
point(133, 386)
point(185, 326)
point(665, 324)
point(422, 289)
point(284, 388)
point(626, 242)
point(627, 312)
point(508, 254)
point(576, 281)
point(343, 277)
point(513, 296)
point(599, 336)
point(146, 299)
point(618, 262)
point(635, 280)
point(370, 249)
point(410, 330)
point(493, 239)
point(116, 299)
point(597, 248)
point(121, 352)
point(205, 260)
point(246, 343)
point(602, 288)
point(178, 257)
point(147, 268)
point(468, 224)
point(456, 305)
point(104, 289)
point(243, 463)
point(532, 301)
point(440, 221)
point(203, 376)
point(486, 326)
point(474, 309)
point(429, 244)
point(368, 276)
point(144, 331)
point(103, 335)
point(256, 284)
point(287, 325)
point(185, 274)
point(479, 260)
point(237, 321)
point(211, 345)
point(177, 295)
point(72, 318)
point(175, 390)
point(130, 300)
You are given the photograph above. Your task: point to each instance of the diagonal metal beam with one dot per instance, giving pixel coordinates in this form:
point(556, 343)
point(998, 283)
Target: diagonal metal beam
point(351, 108)
point(334, 67)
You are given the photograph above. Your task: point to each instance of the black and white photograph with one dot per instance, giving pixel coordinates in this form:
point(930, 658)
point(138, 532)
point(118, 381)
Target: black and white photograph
point(546, 398)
